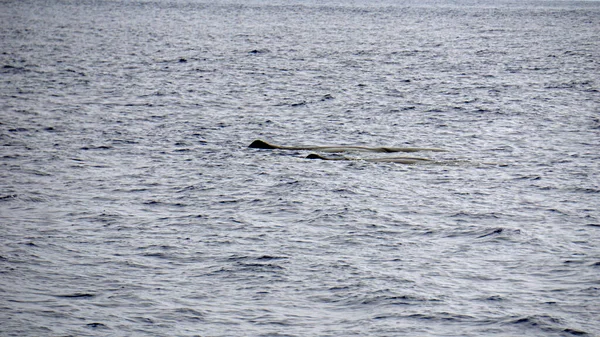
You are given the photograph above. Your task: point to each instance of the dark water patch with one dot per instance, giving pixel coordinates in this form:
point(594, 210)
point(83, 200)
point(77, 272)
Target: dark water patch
point(184, 315)
point(498, 233)
point(357, 296)
point(529, 177)
point(573, 262)
point(18, 130)
point(124, 141)
point(259, 267)
point(162, 247)
point(495, 298)
point(251, 264)
point(259, 51)
point(159, 255)
point(589, 190)
point(77, 295)
point(98, 147)
point(250, 259)
point(96, 325)
point(189, 188)
point(443, 317)
point(254, 271)
point(298, 104)
point(10, 69)
point(394, 300)
point(544, 323)
point(492, 232)
point(189, 312)
point(142, 319)
point(473, 215)
point(556, 211)
point(133, 190)
point(35, 197)
point(231, 201)
point(164, 203)
point(270, 257)
point(327, 97)
point(8, 197)
point(575, 332)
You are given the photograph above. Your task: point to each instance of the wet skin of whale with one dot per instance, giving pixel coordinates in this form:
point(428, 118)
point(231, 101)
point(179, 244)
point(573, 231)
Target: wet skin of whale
point(399, 160)
point(407, 160)
point(260, 144)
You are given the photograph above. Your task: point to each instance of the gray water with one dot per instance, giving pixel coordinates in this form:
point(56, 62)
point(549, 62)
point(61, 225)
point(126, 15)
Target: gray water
point(130, 204)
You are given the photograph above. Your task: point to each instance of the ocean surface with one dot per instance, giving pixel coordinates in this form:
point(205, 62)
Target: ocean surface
point(131, 205)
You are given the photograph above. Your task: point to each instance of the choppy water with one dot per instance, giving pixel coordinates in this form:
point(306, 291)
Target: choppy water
point(130, 204)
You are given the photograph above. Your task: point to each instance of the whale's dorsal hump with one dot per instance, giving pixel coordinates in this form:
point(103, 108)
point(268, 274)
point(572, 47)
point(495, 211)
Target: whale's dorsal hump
point(315, 156)
point(261, 144)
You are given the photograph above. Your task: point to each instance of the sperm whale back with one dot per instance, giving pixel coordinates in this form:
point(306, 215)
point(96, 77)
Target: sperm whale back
point(261, 144)
point(399, 160)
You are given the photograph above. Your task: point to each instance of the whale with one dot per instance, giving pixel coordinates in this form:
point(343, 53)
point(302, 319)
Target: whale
point(408, 160)
point(261, 144)
point(399, 160)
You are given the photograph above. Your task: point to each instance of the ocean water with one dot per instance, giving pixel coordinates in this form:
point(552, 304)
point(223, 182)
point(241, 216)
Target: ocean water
point(131, 205)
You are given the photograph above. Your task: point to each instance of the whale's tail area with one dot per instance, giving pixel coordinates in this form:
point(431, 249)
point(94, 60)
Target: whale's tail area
point(261, 144)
